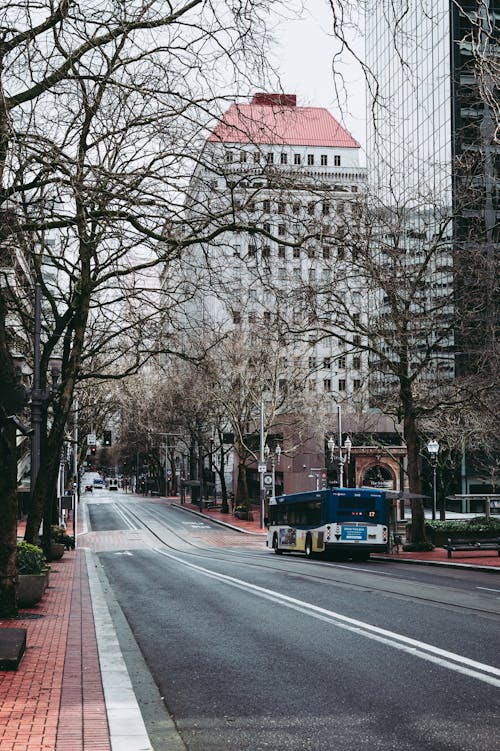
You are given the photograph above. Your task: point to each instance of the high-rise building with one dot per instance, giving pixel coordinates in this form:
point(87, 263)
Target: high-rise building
point(433, 150)
point(275, 178)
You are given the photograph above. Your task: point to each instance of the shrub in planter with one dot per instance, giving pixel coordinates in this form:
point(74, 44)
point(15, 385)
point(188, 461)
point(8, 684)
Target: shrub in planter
point(32, 570)
point(58, 535)
point(30, 559)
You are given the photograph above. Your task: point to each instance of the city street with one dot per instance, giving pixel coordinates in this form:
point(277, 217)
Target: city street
point(254, 651)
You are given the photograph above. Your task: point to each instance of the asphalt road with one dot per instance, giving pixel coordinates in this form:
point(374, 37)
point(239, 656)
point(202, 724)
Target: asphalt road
point(253, 651)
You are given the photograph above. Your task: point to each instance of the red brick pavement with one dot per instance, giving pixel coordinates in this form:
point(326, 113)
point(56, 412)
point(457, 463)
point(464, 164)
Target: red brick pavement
point(55, 701)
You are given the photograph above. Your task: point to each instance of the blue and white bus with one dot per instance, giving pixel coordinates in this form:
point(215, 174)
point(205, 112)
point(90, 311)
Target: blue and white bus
point(347, 522)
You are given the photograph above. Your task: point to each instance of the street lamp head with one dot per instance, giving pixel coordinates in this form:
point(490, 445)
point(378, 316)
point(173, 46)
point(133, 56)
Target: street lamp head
point(348, 446)
point(433, 446)
point(267, 451)
point(331, 446)
point(55, 365)
point(277, 451)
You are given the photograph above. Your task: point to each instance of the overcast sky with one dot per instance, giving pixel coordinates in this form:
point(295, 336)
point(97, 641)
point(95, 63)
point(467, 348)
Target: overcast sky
point(304, 57)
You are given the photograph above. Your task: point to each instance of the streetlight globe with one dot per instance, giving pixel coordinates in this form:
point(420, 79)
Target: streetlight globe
point(433, 447)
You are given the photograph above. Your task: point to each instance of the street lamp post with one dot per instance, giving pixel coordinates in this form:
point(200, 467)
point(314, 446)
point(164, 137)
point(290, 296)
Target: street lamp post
point(432, 450)
point(342, 458)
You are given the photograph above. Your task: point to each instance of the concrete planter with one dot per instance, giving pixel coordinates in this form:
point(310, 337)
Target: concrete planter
point(57, 550)
point(31, 588)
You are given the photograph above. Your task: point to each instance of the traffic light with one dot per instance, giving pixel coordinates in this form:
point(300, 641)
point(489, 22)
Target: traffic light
point(92, 450)
point(107, 438)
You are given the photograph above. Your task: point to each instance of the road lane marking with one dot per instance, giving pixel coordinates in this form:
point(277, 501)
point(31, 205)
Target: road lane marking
point(444, 658)
point(488, 589)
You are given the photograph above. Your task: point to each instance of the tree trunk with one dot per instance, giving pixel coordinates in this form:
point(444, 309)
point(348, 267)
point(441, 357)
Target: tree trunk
point(413, 454)
point(8, 475)
point(8, 520)
point(242, 485)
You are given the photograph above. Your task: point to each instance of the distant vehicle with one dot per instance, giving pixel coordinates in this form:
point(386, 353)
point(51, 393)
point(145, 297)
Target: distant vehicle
point(98, 482)
point(352, 522)
point(113, 483)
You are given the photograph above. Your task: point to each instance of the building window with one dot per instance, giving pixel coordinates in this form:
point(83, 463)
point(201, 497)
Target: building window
point(341, 363)
point(281, 230)
point(296, 273)
point(311, 253)
point(336, 160)
point(256, 157)
point(310, 160)
point(327, 384)
point(312, 362)
point(296, 252)
point(266, 205)
point(281, 251)
point(270, 157)
point(251, 206)
point(356, 363)
point(243, 156)
point(324, 160)
point(341, 384)
point(267, 316)
point(283, 158)
point(341, 253)
point(310, 208)
point(325, 209)
point(357, 384)
point(296, 159)
point(251, 318)
point(281, 273)
point(252, 250)
point(296, 207)
point(229, 156)
point(266, 227)
point(281, 207)
point(312, 385)
point(236, 316)
point(327, 362)
point(326, 252)
point(356, 340)
point(354, 188)
point(266, 251)
point(355, 318)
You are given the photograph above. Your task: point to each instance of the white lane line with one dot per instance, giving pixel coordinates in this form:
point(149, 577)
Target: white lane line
point(450, 660)
point(488, 589)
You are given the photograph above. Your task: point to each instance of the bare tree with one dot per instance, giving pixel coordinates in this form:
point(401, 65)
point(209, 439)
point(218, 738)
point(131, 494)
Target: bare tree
point(102, 111)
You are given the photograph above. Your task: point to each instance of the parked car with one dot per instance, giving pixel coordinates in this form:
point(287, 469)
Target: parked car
point(112, 483)
point(98, 483)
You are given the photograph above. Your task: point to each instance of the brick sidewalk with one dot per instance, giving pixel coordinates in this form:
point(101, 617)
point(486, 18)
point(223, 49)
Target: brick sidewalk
point(55, 701)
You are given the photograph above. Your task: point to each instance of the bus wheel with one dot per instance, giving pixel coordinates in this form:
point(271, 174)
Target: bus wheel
point(308, 549)
point(275, 545)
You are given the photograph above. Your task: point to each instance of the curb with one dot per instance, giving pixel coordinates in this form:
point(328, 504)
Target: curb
point(443, 564)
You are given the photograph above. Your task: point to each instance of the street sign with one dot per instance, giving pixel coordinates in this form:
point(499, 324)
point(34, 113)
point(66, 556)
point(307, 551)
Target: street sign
point(261, 468)
point(268, 479)
point(91, 439)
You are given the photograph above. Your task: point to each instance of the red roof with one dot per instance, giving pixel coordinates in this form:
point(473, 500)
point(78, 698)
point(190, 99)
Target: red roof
point(275, 119)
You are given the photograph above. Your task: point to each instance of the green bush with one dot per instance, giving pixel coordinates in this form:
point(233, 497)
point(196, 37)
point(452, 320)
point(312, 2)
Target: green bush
point(465, 526)
point(30, 559)
point(58, 534)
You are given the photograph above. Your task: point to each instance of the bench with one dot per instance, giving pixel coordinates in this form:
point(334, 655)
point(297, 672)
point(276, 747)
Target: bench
point(456, 543)
point(209, 504)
